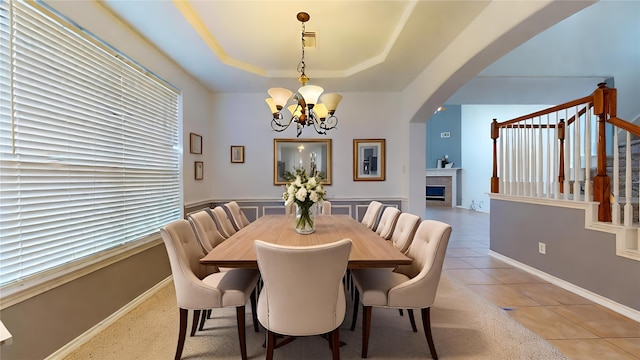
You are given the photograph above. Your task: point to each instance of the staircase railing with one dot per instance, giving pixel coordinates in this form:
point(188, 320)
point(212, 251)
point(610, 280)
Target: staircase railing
point(549, 154)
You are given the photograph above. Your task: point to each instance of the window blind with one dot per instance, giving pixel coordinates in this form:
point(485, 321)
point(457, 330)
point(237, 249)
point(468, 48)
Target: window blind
point(89, 153)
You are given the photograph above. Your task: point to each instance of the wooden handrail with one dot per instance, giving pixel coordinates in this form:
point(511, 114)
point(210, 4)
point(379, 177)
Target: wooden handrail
point(625, 125)
point(547, 111)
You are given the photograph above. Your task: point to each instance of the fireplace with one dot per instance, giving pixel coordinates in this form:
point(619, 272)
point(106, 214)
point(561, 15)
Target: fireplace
point(435, 192)
point(443, 187)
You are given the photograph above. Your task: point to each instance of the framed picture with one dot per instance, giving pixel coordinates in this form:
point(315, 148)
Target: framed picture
point(195, 142)
point(311, 154)
point(368, 159)
point(199, 170)
point(237, 154)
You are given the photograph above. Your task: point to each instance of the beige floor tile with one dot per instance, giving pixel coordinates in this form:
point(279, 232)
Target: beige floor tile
point(600, 320)
point(464, 252)
point(548, 294)
point(486, 262)
point(513, 276)
point(472, 276)
point(503, 296)
point(596, 349)
point(549, 324)
point(632, 345)
point(456, 263)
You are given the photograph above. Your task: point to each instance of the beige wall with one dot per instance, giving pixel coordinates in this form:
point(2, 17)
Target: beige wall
point(44, 323)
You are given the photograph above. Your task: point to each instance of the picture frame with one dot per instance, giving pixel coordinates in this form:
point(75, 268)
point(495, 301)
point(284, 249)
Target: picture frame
point(198, 170)
point(195, 143)
point(237, 153)
point(369, 160)
point(311, 154)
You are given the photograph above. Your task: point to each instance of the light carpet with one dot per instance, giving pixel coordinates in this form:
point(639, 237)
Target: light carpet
point(465, 326)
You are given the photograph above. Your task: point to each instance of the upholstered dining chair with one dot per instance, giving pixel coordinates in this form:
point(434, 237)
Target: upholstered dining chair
point(387, 222)
point(237, 215)
point(326, 208)
point(404, 231)
point(303, 293)
point(225, 226)
point(371, 215)
point(410, 287)
point(195, 290)
point(206, 230)
point(290, 209)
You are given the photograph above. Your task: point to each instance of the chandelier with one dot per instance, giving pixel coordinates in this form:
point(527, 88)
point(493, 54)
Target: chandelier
point(305, 109)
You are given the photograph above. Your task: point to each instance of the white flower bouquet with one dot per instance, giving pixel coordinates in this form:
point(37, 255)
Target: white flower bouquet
point(305, 191)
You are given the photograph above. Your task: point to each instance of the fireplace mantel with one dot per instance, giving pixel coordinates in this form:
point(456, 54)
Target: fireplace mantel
point(454, 174)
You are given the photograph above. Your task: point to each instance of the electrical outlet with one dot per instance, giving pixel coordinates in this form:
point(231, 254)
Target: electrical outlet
point(542, 248)
point(445, 134)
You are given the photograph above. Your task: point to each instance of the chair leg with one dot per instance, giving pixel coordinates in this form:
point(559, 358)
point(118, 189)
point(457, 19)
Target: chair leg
point(366, 326)
point(254, 314)
point(196, 320)
point(271, 344)
point(401, 312)
point(335, 343)
point(355, 310)
point(412, 320)
point(426, 323)
point(241, 334)
point(203, 318)
point(182, 332)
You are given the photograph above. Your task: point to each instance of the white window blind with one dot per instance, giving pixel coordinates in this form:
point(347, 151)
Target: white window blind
point(89, 155)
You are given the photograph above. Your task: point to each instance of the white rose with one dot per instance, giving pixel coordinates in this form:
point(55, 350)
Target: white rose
point(314, 196)
point(301, 195)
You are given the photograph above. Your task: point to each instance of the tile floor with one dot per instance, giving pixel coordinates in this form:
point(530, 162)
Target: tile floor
point(579, 328)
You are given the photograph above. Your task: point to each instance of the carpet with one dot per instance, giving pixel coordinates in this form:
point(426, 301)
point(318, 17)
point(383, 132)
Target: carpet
point(465, 326)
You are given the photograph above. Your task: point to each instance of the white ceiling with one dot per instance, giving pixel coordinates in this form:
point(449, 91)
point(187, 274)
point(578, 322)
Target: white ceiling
point(249, 46)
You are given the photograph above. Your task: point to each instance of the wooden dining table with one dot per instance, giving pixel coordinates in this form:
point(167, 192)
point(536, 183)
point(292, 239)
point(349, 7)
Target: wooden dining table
point(368, 249)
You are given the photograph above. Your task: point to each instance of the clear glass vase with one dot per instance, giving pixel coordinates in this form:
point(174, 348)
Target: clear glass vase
point(306, 219)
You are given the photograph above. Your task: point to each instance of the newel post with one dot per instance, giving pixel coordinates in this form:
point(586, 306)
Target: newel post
point(495, 180)
point(602, 182)
point(561, 137)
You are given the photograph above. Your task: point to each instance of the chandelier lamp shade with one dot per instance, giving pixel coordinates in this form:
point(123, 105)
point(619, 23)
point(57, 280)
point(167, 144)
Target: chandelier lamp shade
point(308, 107)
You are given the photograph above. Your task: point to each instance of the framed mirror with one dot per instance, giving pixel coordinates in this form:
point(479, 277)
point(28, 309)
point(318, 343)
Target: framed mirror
point(309, 153)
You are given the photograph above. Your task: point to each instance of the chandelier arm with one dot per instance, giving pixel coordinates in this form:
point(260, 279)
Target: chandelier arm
point(330, 123)
point(317, 125)
point(278, 126)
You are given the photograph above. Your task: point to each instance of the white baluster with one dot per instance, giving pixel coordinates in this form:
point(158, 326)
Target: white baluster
point(507, 161)
point(549, 158)
point(615, 207)
point(576, 155)
point(567, 155)
point(556, 160)
point(587, 158)
point(628, 208)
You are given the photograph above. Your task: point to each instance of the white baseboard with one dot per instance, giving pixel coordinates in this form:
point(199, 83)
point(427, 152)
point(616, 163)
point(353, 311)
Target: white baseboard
point(87, 335)
point(598, 299)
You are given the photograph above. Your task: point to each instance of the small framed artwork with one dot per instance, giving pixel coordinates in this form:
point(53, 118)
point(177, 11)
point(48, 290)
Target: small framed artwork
point(237, 154)
point(199, 170)
point(195, 142)
point(369, 159)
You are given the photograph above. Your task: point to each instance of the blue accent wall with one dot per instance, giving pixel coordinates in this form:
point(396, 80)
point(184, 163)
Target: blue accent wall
point(449, 121)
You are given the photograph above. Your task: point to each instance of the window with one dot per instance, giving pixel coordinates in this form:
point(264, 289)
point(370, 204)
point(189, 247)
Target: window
point(89, 152)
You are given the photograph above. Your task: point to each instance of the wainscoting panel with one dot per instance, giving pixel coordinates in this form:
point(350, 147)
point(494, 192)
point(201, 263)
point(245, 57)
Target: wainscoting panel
point(256, 208)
